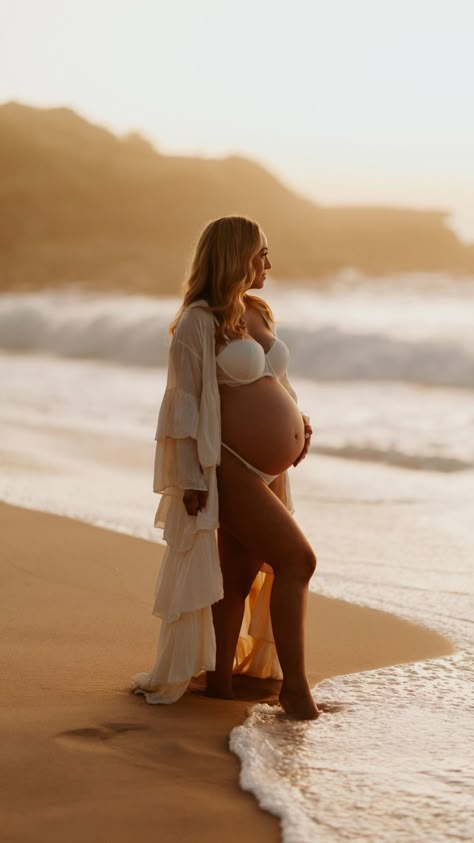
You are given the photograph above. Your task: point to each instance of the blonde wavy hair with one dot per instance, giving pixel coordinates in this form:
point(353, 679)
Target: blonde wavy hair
point(221, 272)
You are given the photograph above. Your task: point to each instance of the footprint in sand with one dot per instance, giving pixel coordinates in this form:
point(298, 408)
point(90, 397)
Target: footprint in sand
point(93, 738)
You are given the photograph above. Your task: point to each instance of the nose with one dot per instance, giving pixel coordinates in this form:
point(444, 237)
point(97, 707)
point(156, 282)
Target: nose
point(267, 263)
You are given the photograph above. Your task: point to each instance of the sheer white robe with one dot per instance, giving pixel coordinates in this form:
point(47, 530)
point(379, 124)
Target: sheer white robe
point(188, 447)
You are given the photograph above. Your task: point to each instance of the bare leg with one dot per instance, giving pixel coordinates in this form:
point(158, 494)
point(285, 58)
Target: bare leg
point(288, 609)
point(238, 573)
point(254, 516)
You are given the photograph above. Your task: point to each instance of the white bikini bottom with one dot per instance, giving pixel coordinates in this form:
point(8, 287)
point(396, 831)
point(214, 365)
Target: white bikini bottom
point(267, 478)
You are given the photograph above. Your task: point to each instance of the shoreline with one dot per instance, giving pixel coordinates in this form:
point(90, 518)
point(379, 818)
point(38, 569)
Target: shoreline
point(83, 756)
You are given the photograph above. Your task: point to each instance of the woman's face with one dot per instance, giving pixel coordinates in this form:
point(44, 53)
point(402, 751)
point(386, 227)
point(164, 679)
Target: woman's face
point(260, 264)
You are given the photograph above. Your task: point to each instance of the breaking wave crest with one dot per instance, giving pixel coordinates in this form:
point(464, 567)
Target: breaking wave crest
point(134, 330)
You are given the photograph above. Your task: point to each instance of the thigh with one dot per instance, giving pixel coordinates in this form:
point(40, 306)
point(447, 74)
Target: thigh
point(278, 487)
point(239, 567)
point(253, 514)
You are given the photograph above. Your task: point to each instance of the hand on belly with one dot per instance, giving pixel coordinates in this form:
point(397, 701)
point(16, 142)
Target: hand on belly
point(262, 423)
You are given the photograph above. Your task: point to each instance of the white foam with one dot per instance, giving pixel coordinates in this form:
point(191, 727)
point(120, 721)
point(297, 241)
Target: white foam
point(397, 762)
point(392, 764)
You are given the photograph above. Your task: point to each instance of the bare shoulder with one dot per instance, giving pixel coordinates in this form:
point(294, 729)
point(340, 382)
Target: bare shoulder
point(260, 309)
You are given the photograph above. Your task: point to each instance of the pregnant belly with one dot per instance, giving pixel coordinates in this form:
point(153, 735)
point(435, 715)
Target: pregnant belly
point(261, 422)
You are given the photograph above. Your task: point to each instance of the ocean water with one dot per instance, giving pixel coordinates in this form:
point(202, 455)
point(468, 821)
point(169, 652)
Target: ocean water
point(386, 371)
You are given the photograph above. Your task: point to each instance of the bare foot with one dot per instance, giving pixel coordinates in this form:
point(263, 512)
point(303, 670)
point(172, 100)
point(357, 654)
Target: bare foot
point(298, 703)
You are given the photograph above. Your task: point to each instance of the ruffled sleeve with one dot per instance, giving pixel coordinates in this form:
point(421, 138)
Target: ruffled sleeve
point(177, 458)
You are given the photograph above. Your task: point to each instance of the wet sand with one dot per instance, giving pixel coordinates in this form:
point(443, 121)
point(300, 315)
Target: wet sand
point(83, 758)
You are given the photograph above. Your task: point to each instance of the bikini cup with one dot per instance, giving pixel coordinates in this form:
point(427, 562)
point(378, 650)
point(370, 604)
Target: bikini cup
point(244, 360)
point(277, 357)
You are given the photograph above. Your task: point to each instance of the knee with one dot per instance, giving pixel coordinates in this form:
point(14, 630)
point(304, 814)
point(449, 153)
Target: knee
point(308, 564)
point(302, 565)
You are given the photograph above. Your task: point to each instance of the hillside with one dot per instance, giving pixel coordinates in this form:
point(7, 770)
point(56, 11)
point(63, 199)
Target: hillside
point(80, 205)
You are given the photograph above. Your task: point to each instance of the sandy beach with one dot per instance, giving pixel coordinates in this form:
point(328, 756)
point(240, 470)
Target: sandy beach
point(82, 757)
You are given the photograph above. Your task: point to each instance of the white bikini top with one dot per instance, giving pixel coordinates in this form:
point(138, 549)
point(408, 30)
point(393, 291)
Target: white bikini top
point(244, 361)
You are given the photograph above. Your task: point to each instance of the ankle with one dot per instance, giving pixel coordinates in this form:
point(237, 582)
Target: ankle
point(218, 686)
point(296, 685)
point(299, 703)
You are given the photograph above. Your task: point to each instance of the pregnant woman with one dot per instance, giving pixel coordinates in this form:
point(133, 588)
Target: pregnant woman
point(229, 428)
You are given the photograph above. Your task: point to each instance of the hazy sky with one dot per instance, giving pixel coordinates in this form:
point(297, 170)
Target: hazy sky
point(349, 101)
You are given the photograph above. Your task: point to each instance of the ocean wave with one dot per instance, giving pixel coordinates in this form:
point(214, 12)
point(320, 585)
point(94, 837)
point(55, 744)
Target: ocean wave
point(329, 353)
point(134, 330)
point(130, 330)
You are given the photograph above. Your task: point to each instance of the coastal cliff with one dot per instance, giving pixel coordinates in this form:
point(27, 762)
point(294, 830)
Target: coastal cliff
point(79, 205)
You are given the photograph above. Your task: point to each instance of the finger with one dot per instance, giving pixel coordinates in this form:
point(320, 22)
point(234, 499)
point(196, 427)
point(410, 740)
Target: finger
point(190, 503)
point(303, 454)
